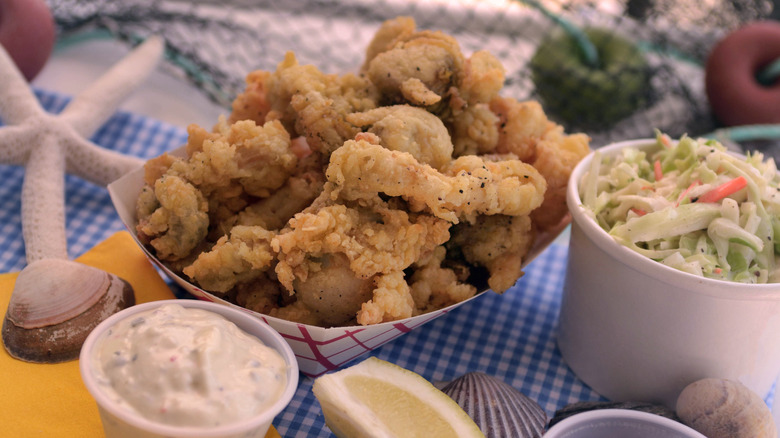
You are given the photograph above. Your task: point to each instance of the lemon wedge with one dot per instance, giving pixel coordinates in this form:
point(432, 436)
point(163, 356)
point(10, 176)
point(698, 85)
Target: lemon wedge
point(378, 399)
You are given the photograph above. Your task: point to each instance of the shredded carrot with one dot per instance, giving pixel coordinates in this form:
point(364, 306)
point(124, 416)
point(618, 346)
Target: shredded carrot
point(666, 141)
point(638, 211)
point(717, 270)
point(685, 192)
point(651, 188)
point(727, 188)
point(659, 173)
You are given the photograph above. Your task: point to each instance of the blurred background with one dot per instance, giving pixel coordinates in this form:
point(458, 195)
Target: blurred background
point(213, 44)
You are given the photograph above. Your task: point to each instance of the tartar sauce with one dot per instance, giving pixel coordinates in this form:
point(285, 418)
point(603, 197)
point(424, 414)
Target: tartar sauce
point(188, 367)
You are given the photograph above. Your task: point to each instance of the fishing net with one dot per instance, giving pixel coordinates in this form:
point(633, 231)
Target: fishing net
point(214, 44)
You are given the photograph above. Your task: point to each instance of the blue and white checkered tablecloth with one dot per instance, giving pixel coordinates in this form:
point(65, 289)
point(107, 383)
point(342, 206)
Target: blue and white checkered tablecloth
point(510, 336)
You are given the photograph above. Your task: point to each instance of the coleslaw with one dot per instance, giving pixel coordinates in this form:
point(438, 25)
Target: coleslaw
point(691, 205)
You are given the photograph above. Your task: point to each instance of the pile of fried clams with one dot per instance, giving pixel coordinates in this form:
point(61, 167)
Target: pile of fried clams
point(350, 199)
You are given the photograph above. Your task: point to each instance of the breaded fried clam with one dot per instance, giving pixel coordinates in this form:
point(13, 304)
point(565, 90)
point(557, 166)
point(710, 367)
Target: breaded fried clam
point(434, 286)
point(156, 167)
point(236, 258)
point(296, 311)
point(333, 292)
point(273, 212)
point(262, 295)
point(474, 130)
point(557, 155)
point(230, 165)
point(374, 237)
point(173, 218)
point(252, 103)
point(289, 79)
point(419, 69)
point(256, 158)
point(523, 124)
point(391, 300)
point(527, 133)
point(390, 32)
point(313, 104)
point(408, 129)
point(498, 243)
point(471, 185)
point(483, 78)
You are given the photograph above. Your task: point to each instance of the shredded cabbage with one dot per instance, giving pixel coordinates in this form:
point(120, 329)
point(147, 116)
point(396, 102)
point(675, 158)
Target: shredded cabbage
point(690, 205)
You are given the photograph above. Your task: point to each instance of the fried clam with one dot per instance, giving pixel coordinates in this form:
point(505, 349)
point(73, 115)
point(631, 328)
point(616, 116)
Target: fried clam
point(236, 258)
point(222, 172)
point(332, 291)
point(262, 295)
point(470, 185)
point(345, 262)
point(252, 103)
point(408, 129)
point(389, 33)
point(374, 236)
point(427, 69)
point(172, 217)
point(474, 131)
point(523, 124)
point(308, 102)
point(273, 212)
point(557, 155)
point(418, 67)
point(391, 300)
point(483, 79)
point(54, 306)
point(498, 243)
point(236, 158)
point(434, 285)
point(527, 133)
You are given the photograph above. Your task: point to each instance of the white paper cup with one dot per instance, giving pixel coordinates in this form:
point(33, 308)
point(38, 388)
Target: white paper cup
point(636, 330)
point(119, 422)
point(623, 423)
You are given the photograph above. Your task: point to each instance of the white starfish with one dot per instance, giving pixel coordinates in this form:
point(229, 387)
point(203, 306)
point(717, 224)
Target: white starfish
point(48, 146)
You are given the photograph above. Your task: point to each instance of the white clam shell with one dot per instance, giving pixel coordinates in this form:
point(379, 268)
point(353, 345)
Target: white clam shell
point(722, 408)
point(38, 299)
point(498, 409)
point(55, 304)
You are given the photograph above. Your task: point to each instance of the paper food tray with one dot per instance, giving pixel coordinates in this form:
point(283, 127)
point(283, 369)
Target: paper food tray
point(317, 349)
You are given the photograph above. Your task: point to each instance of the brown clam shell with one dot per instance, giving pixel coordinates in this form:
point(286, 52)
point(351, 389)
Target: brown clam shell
point(498, 409)
point(55, 304)
point(723, 408)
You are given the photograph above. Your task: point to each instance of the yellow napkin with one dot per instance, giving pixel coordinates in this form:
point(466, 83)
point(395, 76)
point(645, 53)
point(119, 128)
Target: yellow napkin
point(49, 400)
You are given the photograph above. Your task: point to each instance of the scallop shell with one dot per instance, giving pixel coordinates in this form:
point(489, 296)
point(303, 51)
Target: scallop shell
point(721, 408)
point(498, 409)
point(55, 304)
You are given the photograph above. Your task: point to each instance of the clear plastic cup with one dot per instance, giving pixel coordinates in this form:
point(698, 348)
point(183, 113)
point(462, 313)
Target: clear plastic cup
point(120, 422)
point(623, 423)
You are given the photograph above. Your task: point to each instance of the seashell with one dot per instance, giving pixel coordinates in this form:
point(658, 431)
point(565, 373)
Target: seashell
point(55, 304)
point(498, 409)
point(580, 407)
point(721, 408)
